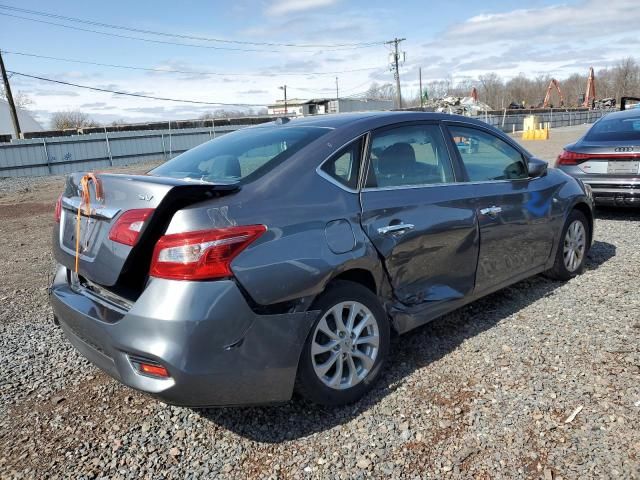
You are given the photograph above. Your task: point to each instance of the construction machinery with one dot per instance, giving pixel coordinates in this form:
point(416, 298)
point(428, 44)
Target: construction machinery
point(590, 92)
point(474, 94)
point(553, 83)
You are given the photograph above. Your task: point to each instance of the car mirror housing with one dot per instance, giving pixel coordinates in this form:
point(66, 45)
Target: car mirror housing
point(537, 167)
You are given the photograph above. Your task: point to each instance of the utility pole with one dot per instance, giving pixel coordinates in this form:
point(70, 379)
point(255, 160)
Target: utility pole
point(284, 87)
point(420, 81)
point(396, 68)
point(12, 105)
point(337, 96)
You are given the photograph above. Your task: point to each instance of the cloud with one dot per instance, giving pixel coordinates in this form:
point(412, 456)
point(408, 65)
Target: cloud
point(54, 93)
point(554, 22)
point(253, 92)
point(283, 7)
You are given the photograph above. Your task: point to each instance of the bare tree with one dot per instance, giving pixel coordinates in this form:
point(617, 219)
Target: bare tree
point(21, 99)
point(72, 119)
point(626, 77)
point(492, 90)
point(381, 92)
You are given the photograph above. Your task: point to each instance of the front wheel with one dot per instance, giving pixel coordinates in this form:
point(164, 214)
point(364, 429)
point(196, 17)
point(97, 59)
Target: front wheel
point(346, 348)
point(573, 248)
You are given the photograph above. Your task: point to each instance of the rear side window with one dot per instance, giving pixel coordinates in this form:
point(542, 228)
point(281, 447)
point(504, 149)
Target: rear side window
point(345, 165)
point(240, 156)
point(615, 129)
point(409, 155)
point(487, 157)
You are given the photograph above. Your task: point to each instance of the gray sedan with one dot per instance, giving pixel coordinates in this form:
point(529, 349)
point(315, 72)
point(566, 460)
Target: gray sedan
point(607, 158)
point(282, 257)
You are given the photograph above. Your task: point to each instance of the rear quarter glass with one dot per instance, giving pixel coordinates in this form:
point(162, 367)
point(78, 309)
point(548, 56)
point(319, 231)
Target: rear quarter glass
point(242, 156)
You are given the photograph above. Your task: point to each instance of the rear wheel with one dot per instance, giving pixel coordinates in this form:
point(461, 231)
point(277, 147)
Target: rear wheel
point(572, 251)
point(346, 347)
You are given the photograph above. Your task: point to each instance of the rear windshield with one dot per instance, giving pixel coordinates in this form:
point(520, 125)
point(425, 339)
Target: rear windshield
point(615, 129)
point(240, 156)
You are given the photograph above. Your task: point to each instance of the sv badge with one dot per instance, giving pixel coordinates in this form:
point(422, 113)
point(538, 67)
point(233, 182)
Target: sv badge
point(145, 196)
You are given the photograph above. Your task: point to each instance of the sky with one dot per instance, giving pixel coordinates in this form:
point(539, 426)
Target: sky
point(453, 39)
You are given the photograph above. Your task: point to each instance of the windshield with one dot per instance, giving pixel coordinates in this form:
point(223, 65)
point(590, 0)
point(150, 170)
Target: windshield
point(240, 156)
point(615, 129)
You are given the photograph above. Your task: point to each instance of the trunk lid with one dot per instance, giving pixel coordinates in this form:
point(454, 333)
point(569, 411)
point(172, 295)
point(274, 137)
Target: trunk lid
point(610, 158)
point(104, 261)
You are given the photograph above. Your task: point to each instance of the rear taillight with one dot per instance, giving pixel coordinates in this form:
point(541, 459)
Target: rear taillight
point(202, 255)
point(58, 211)
point(127, 228)
point(567, 157)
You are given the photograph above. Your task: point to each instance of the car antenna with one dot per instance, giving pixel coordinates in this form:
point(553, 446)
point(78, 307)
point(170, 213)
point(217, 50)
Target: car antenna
point(282, 120)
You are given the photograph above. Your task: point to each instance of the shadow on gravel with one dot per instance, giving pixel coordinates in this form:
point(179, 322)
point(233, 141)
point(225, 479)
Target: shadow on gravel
point(409, 352)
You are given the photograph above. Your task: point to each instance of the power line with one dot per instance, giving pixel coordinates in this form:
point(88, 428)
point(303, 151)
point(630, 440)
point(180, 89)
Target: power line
point(166, 42)
point(188, 72)
point(106, 90)
point(188, 37)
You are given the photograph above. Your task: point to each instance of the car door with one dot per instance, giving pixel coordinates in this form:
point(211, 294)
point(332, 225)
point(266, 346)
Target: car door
point(423, 225)
point(514, 211)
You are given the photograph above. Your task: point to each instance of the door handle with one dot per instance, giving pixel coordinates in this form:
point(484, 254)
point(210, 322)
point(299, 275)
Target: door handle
point(395, 228)
point(491, 211)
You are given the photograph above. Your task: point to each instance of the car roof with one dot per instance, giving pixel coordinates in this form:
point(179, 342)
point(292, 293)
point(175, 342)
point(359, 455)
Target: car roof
point(337, 120)
point(623, 114)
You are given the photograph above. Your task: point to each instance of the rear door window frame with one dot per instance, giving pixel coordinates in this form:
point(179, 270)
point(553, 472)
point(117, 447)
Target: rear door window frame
point(455, 162)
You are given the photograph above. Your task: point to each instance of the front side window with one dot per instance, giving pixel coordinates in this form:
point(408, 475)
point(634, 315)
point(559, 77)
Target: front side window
point(240, 156)
point(345, 164)
point(487, 157)
point(409, 155)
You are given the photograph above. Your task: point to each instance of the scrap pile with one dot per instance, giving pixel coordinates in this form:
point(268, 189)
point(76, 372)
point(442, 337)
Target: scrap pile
point(604, 103)
point(458, 105)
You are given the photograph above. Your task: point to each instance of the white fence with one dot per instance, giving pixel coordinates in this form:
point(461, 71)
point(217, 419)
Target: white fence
point(60, 155)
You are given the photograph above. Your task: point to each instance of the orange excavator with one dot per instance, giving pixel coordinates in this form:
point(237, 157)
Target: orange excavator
point(547, 97)
point(590, 92)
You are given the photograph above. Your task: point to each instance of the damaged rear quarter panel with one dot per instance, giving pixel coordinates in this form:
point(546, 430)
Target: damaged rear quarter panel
point(293, 259)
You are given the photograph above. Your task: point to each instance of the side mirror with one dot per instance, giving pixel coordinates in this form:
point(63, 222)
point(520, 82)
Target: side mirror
point(537, 167)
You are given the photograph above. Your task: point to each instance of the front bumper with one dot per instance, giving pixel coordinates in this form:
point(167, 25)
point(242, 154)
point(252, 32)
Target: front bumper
point(217, 350)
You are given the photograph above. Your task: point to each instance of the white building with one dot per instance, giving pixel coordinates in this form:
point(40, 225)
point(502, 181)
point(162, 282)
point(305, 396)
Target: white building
point(319, 106)
point(27, 122)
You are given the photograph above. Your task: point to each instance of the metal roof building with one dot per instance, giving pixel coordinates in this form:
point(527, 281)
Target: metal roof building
point(27, 122)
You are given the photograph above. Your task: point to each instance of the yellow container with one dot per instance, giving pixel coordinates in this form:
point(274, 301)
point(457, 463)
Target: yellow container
point(530, 123)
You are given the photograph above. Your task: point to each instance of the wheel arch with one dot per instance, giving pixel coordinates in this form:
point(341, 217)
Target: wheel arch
point(357, 275)
point(586, 210)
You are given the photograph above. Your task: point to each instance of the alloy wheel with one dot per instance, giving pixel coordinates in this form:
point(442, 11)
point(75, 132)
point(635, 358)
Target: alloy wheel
point(345, 345)
point(575, 243)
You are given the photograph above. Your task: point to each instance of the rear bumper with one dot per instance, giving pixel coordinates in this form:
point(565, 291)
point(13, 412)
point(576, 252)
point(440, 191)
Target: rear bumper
point(616, 195)
point(216, 349)
point(609, 189)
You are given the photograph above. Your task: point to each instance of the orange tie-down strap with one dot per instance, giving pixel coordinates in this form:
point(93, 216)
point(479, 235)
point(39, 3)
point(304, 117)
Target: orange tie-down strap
point(85, 205)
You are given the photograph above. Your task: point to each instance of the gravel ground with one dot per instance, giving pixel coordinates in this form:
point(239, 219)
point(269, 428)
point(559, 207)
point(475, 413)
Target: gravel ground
point(559, 137)
point(487, 392)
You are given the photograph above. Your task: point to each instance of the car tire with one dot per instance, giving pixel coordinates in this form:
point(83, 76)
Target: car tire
point(572, 249)
point(341, 362)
